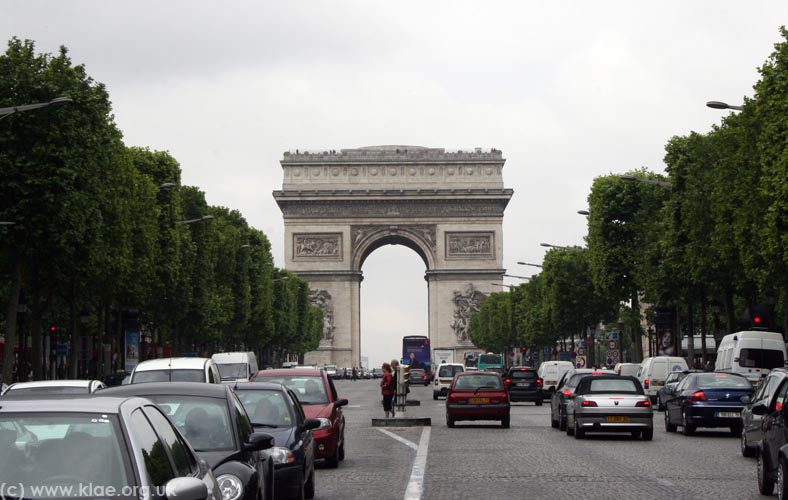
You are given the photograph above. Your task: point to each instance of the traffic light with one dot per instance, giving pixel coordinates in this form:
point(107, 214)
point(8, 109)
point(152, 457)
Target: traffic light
point(53, 329)
point(523, 350)
point(759, 316)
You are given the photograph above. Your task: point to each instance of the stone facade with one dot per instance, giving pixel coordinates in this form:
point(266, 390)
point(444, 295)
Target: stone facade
point(340, 206)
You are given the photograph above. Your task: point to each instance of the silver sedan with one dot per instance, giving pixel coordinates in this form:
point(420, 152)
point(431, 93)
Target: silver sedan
point(609, 403)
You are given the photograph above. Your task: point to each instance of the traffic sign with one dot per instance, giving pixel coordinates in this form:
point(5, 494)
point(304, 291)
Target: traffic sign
point(580, 361)
point(581, 351)
point(612, 354)
point(614, 335)
point(612, 344)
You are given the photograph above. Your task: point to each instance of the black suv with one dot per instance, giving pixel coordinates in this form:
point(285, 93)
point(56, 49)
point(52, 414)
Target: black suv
point(523, 384)
point(772, 449)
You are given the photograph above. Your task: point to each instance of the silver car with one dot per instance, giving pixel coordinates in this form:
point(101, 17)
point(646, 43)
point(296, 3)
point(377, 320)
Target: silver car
point(610, 403)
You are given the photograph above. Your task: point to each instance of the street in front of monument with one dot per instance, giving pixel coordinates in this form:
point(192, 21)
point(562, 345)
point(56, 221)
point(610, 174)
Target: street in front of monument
point(529, 460)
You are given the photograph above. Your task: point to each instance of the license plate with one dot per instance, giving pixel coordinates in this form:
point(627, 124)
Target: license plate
point(551, 382)
point(523, 384)
point(617, 419)
point(728, 414)
point(479, 401)
point(445, 382)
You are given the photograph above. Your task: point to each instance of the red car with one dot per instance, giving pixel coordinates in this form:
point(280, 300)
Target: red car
point(477, 396)
point(318, 397)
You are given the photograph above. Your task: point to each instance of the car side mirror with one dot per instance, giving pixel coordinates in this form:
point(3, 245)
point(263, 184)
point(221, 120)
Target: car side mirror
point(341, 402)
point(186, 488)
point(759, 409)
point(309, 424)
point(259, 441)
point(745, 399)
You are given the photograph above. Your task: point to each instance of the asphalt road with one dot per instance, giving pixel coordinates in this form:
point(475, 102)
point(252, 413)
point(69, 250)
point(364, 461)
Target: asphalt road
point(530, 460)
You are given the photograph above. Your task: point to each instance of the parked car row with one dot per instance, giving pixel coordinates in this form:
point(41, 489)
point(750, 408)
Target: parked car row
point(258, 440)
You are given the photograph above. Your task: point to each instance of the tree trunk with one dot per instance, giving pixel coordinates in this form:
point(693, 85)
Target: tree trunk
point(36, 350)
point(703, 333)
point(730, 317)
point(637, 337)
point(10, 316)
point(690, 336)
point(72, 352)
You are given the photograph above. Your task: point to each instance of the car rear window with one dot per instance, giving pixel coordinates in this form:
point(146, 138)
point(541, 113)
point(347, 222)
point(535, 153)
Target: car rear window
point(524, 375)
point(761, 358)
point(473, 382)
point(722, 380)
point(168, 376)
point(449, 371)
point(613, 385)
point(310, 390)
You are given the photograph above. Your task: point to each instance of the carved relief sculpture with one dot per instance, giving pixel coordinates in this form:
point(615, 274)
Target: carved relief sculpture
point(317, 246)
point(469, 245)
point(465, 304)
point(322, 299)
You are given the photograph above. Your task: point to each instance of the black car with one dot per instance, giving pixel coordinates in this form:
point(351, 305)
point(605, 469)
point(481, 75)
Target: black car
point(275, 409)
point(100, 446)
point(772, 450)
point(523, 384)
point(707, 399)
point(764, 395)
point(215, 423)
point(417, 376)
point(565, 388)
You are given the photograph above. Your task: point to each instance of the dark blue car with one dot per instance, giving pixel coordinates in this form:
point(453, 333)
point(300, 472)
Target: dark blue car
point(708, 399)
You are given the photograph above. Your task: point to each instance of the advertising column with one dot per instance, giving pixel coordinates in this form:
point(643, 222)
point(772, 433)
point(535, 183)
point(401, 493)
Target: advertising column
point(132, 349)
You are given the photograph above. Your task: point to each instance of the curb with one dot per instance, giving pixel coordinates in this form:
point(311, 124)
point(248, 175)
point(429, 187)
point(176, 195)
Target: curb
point(402, 422)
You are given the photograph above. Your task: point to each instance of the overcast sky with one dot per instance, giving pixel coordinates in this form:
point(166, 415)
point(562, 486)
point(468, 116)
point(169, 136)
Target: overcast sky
point(568, 90)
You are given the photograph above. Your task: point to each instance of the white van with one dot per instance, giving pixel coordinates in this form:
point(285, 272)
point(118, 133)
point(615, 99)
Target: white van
point(444, 374)
point(751, 353)
point(176, 370)
point(653, 372)
point(550, 372)
point(235, 366)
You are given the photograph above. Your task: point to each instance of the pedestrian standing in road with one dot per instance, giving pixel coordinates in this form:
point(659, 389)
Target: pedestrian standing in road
point(387, 390)
point(354, 375)
point(395, 374)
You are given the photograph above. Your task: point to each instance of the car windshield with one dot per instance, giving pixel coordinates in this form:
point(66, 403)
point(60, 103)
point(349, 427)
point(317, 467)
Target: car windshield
point(267, 408)
point(63, 389)
point(675, 377)
point(232, 371)
point(522, 374)
point(761, 358)
point(53, 454)
point(168, 376)
point(722, 380)
point(309, 389)
point(612, 385)
point(473, 382)
point(205, 422)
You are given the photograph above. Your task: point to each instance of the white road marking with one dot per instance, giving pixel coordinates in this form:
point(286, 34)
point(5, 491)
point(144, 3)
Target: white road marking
point(415, 488)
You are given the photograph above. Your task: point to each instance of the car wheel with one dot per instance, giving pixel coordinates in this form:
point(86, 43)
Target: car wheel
point(300, 492)
point(648, 434)
point(538, 402)
point(668, 426)
point(687, 429)
point(570, 430)
point(342, 449)
point(746, 450)
point(553, 422)
point(309, 487)
point(765, 484)
point(561, 421)
point(434, 396)
point(505, 422)
point(332, 462)
point(449, 422)
point(782, 486)
point(578, 432)
point(736, 429)
point(635, 434)
point(660, 405)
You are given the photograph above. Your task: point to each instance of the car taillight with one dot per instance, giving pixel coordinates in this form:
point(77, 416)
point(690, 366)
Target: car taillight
point(567, 392)
point(589, 404)
point(645, 384)
point(539, 382)
point(425, 377)
point(778, 406)
point(508, 381)
point(698, 396)
point(642, 404)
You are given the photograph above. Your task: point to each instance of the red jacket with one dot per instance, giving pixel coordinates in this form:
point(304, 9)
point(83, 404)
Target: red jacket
point(387, 384)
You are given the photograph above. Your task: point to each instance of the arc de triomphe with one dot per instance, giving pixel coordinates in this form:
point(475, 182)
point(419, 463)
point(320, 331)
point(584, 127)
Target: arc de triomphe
point(339, 206)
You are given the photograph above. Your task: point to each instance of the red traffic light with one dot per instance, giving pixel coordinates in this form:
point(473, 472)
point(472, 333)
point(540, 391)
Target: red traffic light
point(756, 320)
point(52, 328)
point(523, 349)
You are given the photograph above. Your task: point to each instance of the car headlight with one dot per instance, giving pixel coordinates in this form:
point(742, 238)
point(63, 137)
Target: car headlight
point(325, 423)
point(281, 455)
point(230, 486)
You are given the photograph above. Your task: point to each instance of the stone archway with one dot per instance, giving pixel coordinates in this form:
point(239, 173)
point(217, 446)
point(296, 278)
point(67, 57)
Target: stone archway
point(339, 206)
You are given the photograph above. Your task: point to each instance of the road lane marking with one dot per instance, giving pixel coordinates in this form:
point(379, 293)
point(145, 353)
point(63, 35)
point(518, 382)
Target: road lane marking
point(415, 488)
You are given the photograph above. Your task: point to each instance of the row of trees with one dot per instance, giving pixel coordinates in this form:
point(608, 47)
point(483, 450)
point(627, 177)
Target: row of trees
point(97, 235)
point(711, 234)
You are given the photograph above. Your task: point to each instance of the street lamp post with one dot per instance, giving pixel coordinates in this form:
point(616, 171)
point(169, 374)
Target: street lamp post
point(191, 221)
point(723, 105)
point(518, 277)
point(584, 212)
point(529, 264)
point(548, 245)
point(12, 110)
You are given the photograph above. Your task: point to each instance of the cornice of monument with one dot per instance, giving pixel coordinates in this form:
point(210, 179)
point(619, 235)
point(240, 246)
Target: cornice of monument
point(388, 154)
